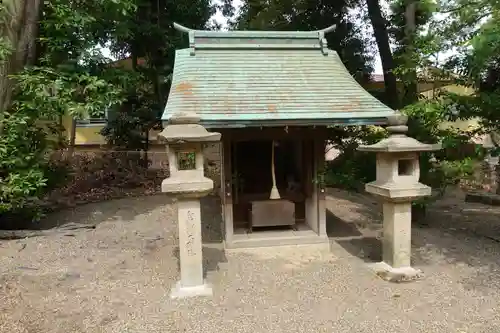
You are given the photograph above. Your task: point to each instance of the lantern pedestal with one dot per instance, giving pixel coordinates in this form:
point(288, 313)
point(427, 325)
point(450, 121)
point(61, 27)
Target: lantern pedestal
point(396, 244)
point(204, 290)
point(397, 234)
point(190, 251)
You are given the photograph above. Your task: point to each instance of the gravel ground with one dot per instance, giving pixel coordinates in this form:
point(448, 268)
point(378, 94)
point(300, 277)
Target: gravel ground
point(117, 277)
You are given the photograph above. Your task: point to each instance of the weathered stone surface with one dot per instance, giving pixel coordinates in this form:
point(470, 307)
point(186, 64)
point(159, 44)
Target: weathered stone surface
point(189, 215)
point(188, 184)
point(397, 275)
point(396, 244)
point(190, 187)
point(204, 289)
point(397, 183)
point(185, 127)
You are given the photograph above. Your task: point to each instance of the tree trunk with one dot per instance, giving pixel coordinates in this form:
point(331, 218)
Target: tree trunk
point(496, 174)
point(18, 26)
point(411, 92)
point(382, 38)
point(27, 42)
point(72, 137)
point(12, 21)
point(60, 132)
point(146, 148)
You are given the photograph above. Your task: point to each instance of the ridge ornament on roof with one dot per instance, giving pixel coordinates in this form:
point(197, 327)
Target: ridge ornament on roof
point(255, 39)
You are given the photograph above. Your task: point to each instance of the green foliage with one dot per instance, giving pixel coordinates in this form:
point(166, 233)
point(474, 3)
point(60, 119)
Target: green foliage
point(413, 46)
point(352, 168)
point(45, 92)
point(129, 122)
point(449, 165)
point(473, 28)
point(42, 93)
point(446, 167)
point(22, 148)
point(5, 49)
point(68, 29)
point(59, 85)
point(70, 77)
point(147, 34)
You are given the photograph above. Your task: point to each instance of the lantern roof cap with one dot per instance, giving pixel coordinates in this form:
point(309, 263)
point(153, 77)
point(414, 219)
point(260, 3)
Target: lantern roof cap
point(185, 127)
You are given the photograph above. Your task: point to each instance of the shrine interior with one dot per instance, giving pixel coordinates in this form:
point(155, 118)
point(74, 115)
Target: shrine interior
point(252, 182)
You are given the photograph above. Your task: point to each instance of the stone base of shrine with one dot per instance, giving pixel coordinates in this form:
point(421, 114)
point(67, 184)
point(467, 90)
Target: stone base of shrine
point(391, 274)
point(204, 290)
point(243, 239)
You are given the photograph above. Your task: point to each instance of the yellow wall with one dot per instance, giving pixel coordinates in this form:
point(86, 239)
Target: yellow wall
point(453, 88)
point(90, 134)
point(421, 87)
point(456, 89)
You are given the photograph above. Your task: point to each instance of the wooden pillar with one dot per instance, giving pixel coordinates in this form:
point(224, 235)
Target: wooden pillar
point(319, 153)
point(227, 189)
point(311, 194)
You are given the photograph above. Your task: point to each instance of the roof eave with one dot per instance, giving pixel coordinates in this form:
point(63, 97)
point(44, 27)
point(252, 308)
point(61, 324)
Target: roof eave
point(291, 122)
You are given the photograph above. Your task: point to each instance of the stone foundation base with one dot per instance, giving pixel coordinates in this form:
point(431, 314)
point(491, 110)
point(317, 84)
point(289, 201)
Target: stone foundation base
point(485, 198)
point(184, 292)
point(397, 275)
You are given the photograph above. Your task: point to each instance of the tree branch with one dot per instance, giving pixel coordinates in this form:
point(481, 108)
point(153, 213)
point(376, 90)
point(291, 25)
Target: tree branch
point(456, 9)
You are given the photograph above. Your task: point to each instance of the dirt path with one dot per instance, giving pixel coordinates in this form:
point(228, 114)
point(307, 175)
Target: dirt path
point(117, 277)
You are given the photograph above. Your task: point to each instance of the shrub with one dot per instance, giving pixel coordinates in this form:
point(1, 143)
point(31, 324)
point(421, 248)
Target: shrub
point(23, 166)
point(352, 168)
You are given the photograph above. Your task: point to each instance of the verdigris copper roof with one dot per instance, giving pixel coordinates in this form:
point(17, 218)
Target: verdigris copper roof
point(264, 78)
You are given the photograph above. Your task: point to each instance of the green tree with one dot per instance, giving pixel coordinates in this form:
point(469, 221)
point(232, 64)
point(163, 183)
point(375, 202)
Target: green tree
point(148, 37)
point(408, 20)
point(472, 28)
point(44, 76)
point(347, 39)
point(380, 26)
point(418, 36)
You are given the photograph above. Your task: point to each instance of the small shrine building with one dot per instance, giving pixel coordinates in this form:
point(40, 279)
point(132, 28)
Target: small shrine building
point(271, 96)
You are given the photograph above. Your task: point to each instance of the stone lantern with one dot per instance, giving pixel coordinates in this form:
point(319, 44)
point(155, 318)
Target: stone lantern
point(185, 136)
point(397, 184)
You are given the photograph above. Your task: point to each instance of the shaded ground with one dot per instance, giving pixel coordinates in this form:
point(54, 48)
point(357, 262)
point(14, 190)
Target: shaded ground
point(117, 277)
